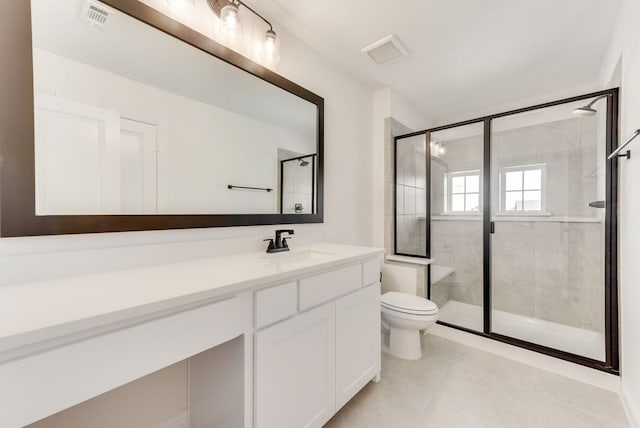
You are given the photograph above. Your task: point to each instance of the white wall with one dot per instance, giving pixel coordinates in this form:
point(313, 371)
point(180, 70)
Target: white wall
point(348, 194)
point(381, 111)
point(626, 45)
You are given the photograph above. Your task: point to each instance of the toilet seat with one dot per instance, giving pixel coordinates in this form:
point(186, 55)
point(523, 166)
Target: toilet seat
point(407, 304)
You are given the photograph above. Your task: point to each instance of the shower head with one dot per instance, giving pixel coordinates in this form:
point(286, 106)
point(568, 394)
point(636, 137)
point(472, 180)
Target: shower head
point(585, 111)
point(588, 110)
point(303, 162)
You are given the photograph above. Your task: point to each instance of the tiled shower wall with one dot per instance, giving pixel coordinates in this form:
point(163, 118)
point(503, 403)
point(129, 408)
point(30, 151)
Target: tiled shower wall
point(413, 231)
point(546, 270)
point(411, 196)
point(297, 186)
point(549, 268)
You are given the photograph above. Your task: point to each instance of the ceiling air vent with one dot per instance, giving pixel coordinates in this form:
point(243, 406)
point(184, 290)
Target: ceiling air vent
point(385, 50)
point(95, 14)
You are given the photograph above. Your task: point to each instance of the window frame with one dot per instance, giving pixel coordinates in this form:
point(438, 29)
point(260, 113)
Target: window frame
point(448, 176)
point(543, 190)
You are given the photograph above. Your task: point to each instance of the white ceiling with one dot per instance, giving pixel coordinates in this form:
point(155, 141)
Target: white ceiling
point(465, 56)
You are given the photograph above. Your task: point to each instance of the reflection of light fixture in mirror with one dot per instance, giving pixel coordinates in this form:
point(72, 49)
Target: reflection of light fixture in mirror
point(437, 149)
point(228, 12)
point(182, 5)
point(588, 110)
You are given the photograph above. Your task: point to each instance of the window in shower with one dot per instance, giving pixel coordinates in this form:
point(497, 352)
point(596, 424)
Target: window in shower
point(523, 189)
point(462, 190)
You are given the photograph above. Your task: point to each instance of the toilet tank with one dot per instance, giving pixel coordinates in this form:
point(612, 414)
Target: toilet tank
point(398, 278)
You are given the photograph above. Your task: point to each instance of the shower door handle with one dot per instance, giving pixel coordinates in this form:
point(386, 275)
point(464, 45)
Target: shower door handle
point(597, 204)
point(493, 227)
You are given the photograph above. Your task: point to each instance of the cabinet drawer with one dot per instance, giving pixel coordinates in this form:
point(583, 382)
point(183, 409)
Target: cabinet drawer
point(276, 303)
point(327, 286)
point(370, 272)
point(42, 384)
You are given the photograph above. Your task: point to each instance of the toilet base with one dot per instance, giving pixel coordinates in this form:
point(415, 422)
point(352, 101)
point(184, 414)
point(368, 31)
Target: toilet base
point(405, 343)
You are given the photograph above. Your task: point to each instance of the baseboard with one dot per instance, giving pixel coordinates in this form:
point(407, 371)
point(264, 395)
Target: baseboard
point(178, 421)
point(577, 372)
point(630, 406)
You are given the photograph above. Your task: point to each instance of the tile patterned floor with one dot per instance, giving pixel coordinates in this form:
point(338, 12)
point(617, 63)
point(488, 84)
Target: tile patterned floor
point(454, 386)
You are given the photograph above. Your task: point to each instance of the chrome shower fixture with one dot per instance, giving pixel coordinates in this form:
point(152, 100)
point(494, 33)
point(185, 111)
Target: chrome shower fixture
point(303, 162)
point(588, 110)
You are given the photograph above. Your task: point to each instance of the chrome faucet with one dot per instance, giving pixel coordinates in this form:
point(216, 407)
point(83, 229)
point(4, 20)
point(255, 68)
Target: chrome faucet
point(279, 244)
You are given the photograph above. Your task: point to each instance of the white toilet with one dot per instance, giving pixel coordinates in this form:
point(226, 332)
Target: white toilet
point(404, 314)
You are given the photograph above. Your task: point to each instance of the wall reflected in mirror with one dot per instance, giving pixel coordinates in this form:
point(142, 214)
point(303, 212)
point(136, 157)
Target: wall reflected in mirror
point(130, 120)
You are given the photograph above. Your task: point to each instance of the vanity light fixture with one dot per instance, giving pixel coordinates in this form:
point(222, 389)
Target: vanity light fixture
point(229, 21)
point(228, 12)
point(269, 52)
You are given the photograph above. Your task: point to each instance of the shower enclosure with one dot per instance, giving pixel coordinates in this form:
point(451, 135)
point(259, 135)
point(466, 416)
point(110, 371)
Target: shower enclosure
point(297, 185)
point(519, 217)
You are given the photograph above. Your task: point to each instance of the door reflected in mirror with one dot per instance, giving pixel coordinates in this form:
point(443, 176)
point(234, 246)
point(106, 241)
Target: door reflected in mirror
point(130, 120)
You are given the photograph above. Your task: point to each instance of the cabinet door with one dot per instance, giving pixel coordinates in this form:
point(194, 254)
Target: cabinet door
point(357, 341)
point(295, 371)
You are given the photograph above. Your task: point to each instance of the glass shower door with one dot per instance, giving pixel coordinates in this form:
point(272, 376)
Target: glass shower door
point(548, 176)
point(456, 226)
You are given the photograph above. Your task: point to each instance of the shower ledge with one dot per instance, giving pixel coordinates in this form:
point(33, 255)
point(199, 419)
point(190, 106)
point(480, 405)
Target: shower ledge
point(408, 259)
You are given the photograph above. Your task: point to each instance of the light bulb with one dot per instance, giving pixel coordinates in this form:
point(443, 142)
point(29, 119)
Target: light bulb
point(230, 26)
point(269, 53)
point(182, 5)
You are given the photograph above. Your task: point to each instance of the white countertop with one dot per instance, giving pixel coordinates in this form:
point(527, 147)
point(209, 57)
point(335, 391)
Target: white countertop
point(40, 311)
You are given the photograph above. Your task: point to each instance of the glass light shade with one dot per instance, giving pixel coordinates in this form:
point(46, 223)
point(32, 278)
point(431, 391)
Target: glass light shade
point(270, 53)
point(230, 22)
point(182, 5)
point(437, 149)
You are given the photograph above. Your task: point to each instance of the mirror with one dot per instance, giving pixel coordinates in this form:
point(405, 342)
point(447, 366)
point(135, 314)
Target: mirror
point(123, 119)
point(131, 120)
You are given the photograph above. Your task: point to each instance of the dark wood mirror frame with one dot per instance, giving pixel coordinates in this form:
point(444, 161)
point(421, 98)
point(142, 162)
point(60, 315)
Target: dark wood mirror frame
point(17, 168)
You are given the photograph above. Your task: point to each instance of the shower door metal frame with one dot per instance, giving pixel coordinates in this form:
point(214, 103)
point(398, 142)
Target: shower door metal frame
point(612, 362)
point(313, 180)
point(427, 157)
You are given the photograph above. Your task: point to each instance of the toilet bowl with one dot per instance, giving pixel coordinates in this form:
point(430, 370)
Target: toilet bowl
point(403, 316)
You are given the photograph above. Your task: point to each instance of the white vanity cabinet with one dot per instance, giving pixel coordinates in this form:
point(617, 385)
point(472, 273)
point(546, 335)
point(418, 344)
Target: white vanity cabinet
point(310, 364)
point(286, 344)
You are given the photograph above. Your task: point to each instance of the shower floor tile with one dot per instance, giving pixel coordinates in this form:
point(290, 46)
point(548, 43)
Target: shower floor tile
point(579, 341)
point(454, 385)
